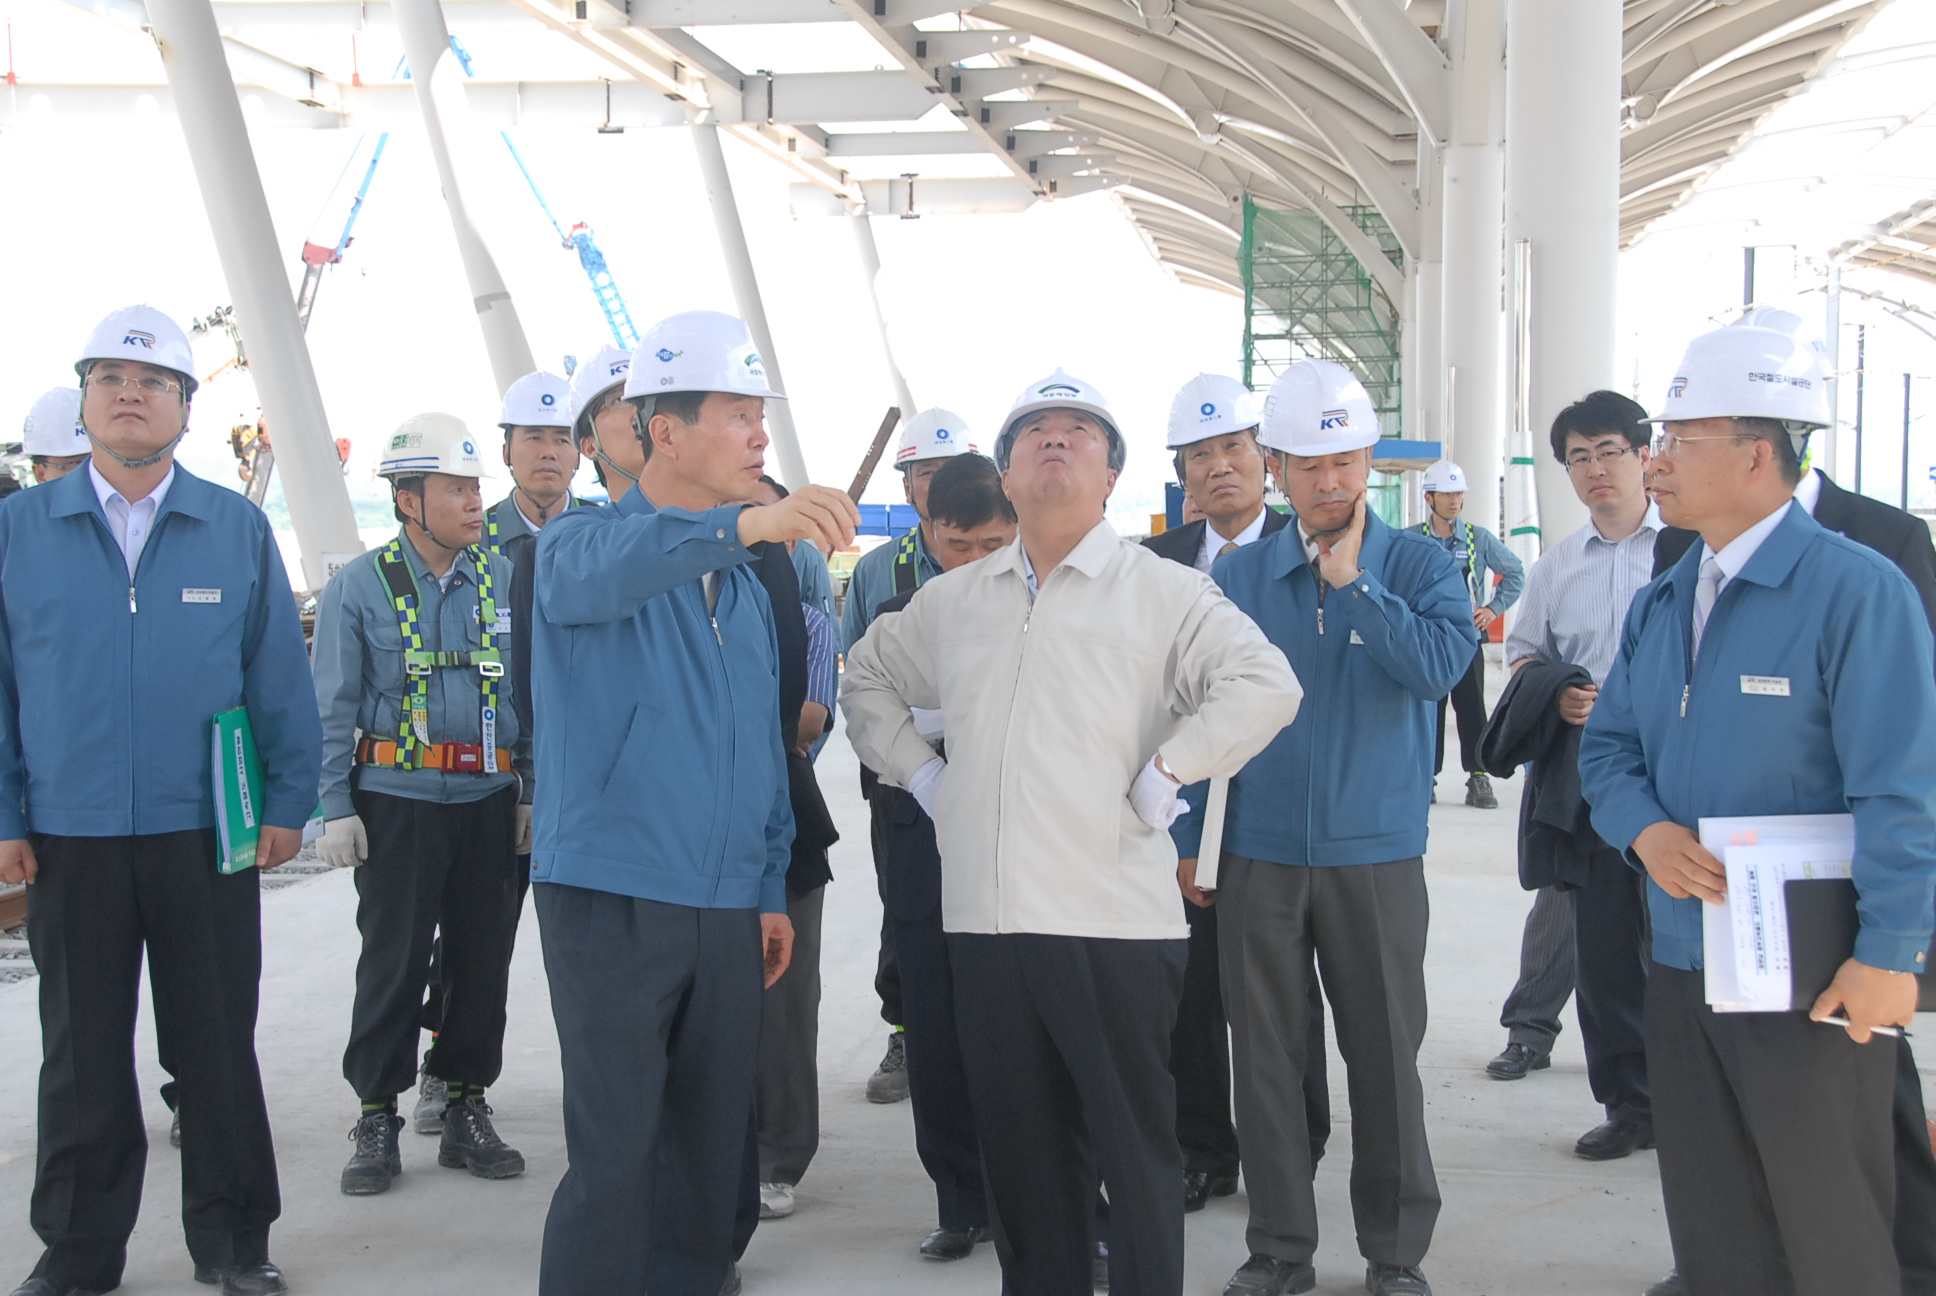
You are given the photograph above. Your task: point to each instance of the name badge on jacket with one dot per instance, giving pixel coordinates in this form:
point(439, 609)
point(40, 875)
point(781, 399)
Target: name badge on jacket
point(201, 596)
point(1765, 685)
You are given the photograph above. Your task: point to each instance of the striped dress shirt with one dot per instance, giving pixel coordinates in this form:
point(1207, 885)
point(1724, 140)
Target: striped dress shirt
point(1577, 595)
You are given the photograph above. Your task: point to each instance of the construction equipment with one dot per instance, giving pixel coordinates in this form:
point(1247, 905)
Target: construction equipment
point(874, 453)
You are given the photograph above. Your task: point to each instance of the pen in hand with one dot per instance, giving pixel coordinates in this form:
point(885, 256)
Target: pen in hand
point(1896, 1031)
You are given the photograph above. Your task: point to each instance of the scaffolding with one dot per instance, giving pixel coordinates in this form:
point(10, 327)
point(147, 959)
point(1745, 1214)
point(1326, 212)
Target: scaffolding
point(1306, 296)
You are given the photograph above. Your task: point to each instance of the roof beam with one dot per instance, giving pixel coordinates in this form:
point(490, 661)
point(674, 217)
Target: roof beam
point(1420, 68)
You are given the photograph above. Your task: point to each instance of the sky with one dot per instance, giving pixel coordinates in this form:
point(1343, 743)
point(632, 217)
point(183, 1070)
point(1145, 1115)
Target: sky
point(103, 212)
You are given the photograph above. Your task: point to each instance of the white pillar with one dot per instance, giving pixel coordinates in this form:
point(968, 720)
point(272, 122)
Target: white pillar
point(870, 267)
point(1828, 440)
point(1563, 197)
point(746, 291)
point(439, 84)
point(1472, 198)
point(258, 280)
point(1425, 280)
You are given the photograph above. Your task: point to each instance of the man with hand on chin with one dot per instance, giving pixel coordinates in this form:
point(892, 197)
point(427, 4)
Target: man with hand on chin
point(664, 825)
point(133, 579)
point(1777, 669)
point(1324, 841)
point(1081, 677)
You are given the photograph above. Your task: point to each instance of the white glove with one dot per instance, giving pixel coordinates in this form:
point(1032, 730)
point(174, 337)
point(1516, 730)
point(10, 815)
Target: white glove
point(1154, 797)
point(929, 724)
point(344, 844)
point(523, 831)
point(925, 786)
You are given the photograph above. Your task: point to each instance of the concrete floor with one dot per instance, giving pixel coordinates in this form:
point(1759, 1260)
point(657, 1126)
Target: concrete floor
point(1522, 1214)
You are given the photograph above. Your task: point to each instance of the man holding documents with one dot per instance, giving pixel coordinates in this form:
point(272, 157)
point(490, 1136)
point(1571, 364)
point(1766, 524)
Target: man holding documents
point(137, 602)
point(1777, 669)
point(1081, 677)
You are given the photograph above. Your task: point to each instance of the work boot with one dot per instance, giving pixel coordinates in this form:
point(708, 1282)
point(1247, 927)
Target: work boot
point(433, 1095)
point(376, 1160)
point(471, 1144)
point(1478, 793)
point(889, 1084)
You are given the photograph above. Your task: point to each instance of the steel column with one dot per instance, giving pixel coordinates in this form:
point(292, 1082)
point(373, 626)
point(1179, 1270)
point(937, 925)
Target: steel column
point(258, 279)
point(870, 267)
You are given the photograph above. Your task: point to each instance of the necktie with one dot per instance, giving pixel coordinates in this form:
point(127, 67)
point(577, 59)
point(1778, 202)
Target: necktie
point(1706, 591)
point(1228, 545)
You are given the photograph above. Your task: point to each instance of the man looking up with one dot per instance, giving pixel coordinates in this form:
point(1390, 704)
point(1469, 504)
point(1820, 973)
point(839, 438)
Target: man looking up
point(541, 453)
point(928, 440)
point(1477, 553)
point(1081, 677)
point(660, 883)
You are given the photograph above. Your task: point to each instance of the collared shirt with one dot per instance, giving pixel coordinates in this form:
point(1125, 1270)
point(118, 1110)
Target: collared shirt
point(535, 526)
point(1809, 492)
point(1212, 547)
point(130, 523)
point(1577, 596)
point(872, 584)
point(823, 674)
point(1735, 553)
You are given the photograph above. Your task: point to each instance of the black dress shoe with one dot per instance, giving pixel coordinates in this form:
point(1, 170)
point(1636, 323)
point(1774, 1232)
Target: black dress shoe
point(42, 1287)
point(1263, 1275)
point(952, 1243)
point(1395, 1280)
point(1614, 1139)
point(1672, 1285)
point(734, 1283)
point(258, 1279)
point(1516, 1061)
point(1199, 1186)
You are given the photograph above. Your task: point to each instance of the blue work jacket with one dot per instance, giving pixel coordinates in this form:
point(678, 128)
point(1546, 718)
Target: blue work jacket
point(1812, 695)
point(108, 689)
point(361, 685)
point(661, 772)
point(1349, 781)
point(1486, 554)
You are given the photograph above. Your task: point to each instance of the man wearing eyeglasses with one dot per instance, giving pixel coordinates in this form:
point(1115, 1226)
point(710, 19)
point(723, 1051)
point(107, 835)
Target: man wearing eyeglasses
point(137, 602)
point(1586, 930)
point(1779, 669)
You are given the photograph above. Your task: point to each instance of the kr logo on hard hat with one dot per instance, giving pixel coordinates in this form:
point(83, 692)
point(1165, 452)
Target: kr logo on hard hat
point(1332, 420)
point(146, 341)
point(1677, 389)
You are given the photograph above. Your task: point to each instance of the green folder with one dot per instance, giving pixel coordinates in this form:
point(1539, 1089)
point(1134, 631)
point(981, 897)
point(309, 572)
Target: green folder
point(238, 781)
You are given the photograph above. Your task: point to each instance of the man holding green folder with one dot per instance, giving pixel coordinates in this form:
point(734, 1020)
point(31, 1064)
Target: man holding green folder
point(426, 776)
point(136, 603)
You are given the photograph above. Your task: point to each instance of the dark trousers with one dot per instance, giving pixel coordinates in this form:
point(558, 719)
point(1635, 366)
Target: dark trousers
point(658, 1015)
point(1365, 924)
point(97, 904)
point(432, 866)
point(1547, 971)
point(1067, 1041)
point(1200, 1061)
point(1610, 938)
point(1915, 1180)
point(1775, 1165)
point(1469, 708)
point(887, 968)
point(432, 1018)
point(787, 1074)
point(944, 1117)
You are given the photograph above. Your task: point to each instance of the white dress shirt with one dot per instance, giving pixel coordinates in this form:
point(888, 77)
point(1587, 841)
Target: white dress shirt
point(1212, 547)
point(1735, 554)
point(130, 523)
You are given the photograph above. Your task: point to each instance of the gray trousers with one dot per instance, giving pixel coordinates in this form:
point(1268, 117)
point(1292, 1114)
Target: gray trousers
point(1547, 967)
point(658, 1015)
point(1365, 924)
point(787, 1076)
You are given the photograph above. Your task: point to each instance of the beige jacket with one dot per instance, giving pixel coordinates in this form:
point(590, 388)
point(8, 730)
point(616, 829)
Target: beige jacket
point(1053, 705)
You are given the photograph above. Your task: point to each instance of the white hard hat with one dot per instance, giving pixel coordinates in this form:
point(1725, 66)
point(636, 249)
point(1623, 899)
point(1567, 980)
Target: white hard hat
point(145, 335)
point(53, 427)
point(1444, 476)
point(1749, 370)
point(1210, 405)
point(597, 376)
point(1318, 408)
point(934, 433)
point(1059, 391)
point(431, 443)
point(536, 400)
point(698, 351)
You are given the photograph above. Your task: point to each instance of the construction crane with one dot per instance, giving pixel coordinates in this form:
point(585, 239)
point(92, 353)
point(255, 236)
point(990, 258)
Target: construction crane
point(617, 317)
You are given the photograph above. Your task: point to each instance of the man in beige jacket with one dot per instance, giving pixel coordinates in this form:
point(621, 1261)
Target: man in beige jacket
point(1081, 678)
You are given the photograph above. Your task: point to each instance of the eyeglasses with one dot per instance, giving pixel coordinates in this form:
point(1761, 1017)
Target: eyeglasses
point(148, 385)
point(1668, 444)
point(1606, 457)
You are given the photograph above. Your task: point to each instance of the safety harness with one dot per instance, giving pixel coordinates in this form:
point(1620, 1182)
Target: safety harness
point(908, 574)
point(491, 540)
point(413, 739)
point(1462, 530)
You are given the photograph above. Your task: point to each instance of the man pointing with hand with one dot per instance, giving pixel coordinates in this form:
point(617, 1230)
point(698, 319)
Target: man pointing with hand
point(663, 822)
